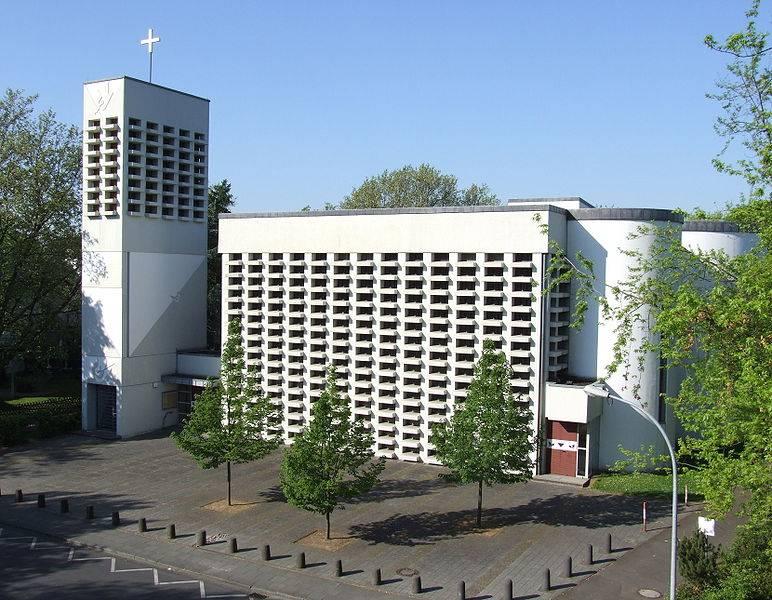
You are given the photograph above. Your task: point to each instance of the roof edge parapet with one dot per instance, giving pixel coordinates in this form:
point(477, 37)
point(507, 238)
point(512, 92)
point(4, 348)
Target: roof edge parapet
point(420, 210)
point(155, 85)
point(625, 214)
point(712, 226)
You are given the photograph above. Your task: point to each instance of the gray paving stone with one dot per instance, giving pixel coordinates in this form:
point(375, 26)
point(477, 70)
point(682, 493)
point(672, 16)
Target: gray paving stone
point(413, 519)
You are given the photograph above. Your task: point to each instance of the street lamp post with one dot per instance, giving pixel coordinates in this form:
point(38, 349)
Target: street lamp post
point(597, 390)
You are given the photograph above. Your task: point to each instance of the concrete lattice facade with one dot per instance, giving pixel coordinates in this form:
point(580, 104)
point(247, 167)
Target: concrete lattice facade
point(402, 329)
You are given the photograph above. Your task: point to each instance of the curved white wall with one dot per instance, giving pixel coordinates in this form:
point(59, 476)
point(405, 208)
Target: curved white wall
point(592, 347)
point(732, 243)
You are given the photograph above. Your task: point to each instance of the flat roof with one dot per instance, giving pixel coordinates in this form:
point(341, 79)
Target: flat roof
point(160, 87)
point(340, 212)
point(599, 214)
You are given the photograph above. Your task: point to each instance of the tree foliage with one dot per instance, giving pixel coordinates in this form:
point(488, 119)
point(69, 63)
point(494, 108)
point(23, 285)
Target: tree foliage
point(742, 573)
point(331, 460)
point(708, 313)
point(423, 186)
point(231, 421)
point(745, 97)
point(40, 230)
point(221, 200)
point(489, 438)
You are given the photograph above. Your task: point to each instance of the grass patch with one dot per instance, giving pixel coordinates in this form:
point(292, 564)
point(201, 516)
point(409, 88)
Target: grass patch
point(28, 400)
point(646, 484)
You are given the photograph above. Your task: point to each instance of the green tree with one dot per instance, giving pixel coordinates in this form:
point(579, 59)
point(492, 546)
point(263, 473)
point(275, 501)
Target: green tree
point(410, 186)
point(40, 230)
point(231, 421)
point(489, 438)
point(221, 200)
point(744, 97)
point(331, 460)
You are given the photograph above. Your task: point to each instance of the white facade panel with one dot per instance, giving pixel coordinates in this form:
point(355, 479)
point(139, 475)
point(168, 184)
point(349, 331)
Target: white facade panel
point(145, 179)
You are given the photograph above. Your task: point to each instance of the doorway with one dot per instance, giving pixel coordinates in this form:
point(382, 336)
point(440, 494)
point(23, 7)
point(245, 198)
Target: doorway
point(106, 407)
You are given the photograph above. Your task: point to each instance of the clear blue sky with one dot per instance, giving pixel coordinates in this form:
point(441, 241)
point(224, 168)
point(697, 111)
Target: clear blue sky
point(605, 100)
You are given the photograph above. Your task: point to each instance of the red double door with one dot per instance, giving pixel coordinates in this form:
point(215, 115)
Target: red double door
point(562, 447)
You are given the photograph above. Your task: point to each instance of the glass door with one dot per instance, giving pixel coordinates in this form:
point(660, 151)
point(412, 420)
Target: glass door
point(581, 450)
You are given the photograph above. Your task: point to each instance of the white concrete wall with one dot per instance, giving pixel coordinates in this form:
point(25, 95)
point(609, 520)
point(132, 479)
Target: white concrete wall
point(336, 231)
point(144, 285)
point(731, 243)
point(204, 365)
point(591, 347)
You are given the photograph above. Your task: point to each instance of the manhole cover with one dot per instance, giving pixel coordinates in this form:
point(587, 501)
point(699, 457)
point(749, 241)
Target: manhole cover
point(649, 593)
point(407, 572)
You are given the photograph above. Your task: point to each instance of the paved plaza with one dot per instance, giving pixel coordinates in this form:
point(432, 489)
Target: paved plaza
point(413, 523)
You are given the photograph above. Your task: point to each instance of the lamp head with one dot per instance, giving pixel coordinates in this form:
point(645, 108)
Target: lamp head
point(597, 390)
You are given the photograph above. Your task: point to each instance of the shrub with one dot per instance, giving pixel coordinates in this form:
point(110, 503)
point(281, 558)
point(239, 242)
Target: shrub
point(14, 428)
point(699, 561)
point(47, 418)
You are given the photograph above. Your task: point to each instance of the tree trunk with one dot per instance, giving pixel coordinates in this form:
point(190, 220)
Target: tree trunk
point(479, 503)
point(228, 467)
point(327, 516)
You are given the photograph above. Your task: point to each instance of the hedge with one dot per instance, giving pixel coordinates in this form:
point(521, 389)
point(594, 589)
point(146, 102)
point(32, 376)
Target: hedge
point(51, 417)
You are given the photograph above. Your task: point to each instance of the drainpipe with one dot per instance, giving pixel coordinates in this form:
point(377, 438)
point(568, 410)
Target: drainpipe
point(545, 344)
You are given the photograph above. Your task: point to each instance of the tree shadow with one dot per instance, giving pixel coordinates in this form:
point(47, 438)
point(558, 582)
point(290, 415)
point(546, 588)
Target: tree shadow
point(388, 489)
point(45, 454)
point(588, 511)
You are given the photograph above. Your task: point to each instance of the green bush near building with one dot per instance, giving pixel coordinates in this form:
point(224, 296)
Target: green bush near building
point(43, 417)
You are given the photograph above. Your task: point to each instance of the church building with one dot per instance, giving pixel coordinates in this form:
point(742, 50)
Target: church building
point(399, 300)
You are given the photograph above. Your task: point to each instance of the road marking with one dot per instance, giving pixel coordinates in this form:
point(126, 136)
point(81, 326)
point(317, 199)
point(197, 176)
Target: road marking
point(45, 545)
point(22, 537)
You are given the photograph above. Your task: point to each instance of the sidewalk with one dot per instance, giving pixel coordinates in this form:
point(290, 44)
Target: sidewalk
point(646, 567)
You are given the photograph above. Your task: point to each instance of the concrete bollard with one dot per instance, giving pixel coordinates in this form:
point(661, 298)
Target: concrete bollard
point(509, 590)
point(89, 512)
point(116, 518)
point(41, 500)
point(377, 577)
point(590, 557)
point(461, 590)
point(233, 546)
point(201, 538)
point(171, 531)
point(569, 567)
point(19, 496)
point(547, 584)
point(338, 568)
point(142, 525)
point(300, 560)
point(609, 548)
point(417, 588)
point(64, 505)
point(266, 552)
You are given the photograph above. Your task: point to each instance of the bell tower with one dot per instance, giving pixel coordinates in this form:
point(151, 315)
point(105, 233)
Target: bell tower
point(145, 179)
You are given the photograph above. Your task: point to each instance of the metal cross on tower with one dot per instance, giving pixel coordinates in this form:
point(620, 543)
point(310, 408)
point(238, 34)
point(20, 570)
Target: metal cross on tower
point(149, 41)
